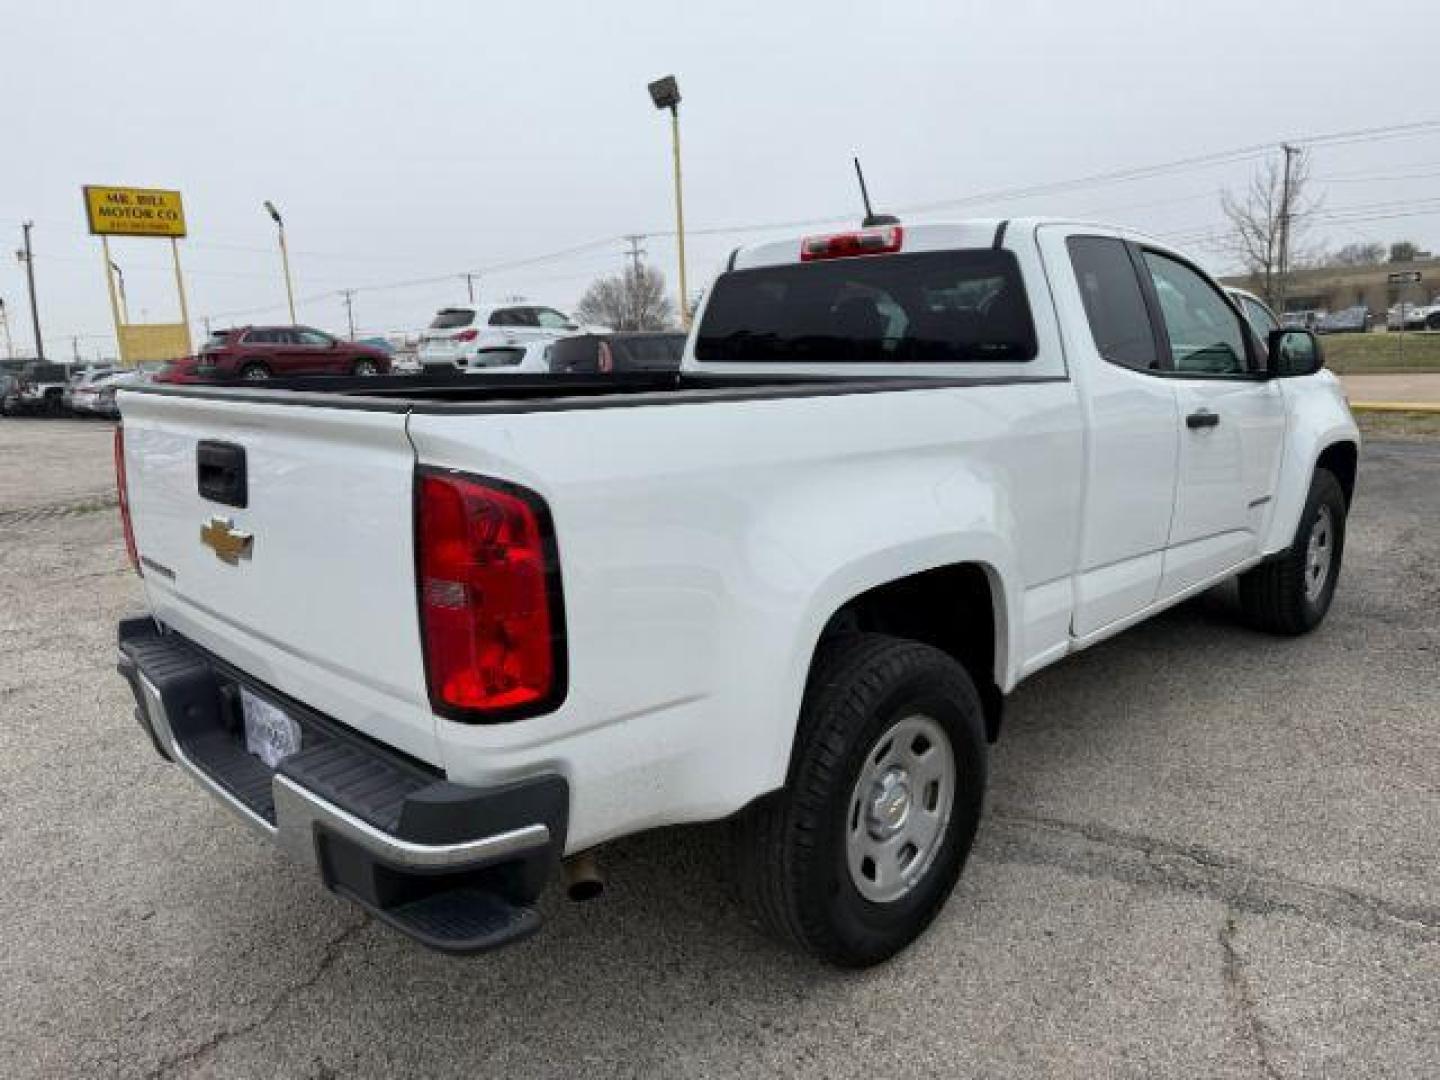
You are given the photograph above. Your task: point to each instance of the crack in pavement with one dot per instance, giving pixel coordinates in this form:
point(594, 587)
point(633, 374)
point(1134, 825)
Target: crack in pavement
point(331, 953)
point(1137, 859)
point(85, 504)
point(1252, 1031)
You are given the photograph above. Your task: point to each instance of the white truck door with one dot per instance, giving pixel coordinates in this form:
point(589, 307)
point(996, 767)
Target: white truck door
point(1233, 427)
point(1132, 423)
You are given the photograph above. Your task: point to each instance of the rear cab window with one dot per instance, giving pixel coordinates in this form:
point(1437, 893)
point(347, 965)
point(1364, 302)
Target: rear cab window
point(928, 307)
point(452, 319)
point(1114, 303)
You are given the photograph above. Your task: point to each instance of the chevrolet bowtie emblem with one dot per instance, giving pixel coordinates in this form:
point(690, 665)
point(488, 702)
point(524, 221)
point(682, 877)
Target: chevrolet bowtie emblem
point(228, 542)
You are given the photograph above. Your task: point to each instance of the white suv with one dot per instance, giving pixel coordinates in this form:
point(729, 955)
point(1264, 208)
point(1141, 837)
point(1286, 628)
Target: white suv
point(458, 333)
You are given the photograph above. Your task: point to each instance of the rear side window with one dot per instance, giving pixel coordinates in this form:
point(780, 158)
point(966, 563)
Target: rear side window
point(551, 319)
point(1114, 304)
point(452, 319)
point(658, 353)
point(937, 307)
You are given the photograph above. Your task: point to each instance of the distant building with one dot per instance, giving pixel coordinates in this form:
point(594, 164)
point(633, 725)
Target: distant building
point(1334, 288)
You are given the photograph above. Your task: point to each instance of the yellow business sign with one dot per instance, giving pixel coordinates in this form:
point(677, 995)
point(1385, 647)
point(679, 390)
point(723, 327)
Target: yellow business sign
point(117, 211)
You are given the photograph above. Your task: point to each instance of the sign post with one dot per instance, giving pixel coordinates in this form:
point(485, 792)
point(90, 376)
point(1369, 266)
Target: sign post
point(123, 211)
point(1402, 278)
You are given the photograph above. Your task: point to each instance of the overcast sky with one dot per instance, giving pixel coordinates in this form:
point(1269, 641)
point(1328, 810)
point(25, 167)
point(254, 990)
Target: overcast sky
point(419, 140)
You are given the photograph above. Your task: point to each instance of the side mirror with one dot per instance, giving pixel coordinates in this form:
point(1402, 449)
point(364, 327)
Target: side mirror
point(1293, 353)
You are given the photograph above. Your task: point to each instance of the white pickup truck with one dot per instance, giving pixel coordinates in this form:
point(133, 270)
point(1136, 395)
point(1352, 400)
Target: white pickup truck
point(438, 640)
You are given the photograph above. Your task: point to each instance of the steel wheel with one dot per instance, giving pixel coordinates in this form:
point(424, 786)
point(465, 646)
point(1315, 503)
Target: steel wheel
point(1319, 554)
point(366, 367)
point(899, 808)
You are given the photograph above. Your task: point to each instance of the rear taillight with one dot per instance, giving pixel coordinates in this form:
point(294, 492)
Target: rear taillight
point(122, 489)
point(883, 241)
point(489, 592)
point(466, 335)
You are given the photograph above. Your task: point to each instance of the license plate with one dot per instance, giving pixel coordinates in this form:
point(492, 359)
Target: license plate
point(270, 734)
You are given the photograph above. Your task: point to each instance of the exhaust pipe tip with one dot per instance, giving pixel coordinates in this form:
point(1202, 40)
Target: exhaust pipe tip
point(583, 877)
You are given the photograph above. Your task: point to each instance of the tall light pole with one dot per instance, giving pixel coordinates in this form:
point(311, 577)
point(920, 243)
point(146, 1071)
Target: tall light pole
point(665, 93)
point(26, 256)
point(284, 256)
point(120, 277)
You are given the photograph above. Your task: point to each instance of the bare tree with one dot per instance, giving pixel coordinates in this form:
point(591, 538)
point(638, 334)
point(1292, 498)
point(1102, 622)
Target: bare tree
point(633, 300)
point(1403, 251)
point(1268, 221)
point(1370, 254)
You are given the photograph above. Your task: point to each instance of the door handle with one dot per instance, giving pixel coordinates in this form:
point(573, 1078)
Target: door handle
point(1203, 418)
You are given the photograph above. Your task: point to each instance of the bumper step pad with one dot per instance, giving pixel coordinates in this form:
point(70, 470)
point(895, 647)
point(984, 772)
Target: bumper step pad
point(454, 867)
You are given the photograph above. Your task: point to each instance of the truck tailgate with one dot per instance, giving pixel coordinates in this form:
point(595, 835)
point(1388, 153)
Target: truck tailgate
point(321, 605)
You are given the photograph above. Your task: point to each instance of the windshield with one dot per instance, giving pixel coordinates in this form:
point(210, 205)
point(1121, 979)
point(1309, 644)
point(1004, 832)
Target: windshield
point(452, 318)
point(927, 307)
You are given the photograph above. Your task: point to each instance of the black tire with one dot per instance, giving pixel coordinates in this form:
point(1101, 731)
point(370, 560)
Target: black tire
point(1432, 321)
point(365, 368)
point(790, 849)
point(1275, 596)
point(255, 372)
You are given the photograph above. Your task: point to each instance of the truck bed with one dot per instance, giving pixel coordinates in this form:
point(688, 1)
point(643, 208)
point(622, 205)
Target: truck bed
point(550, 393)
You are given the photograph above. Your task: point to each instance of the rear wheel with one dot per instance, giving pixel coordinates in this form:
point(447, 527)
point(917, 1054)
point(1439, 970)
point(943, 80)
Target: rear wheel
point(1291, 593)
point(366, 367)
point(1432, 321)
point(254, 372)
point(856, 856)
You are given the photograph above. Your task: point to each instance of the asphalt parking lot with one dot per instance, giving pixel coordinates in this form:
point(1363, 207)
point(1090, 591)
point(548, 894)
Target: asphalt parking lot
point(1208, 853)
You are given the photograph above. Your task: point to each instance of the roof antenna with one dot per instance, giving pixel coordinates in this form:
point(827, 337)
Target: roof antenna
point(872, 219)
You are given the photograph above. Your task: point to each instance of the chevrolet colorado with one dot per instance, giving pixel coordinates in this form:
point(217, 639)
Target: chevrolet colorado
point(437, 639)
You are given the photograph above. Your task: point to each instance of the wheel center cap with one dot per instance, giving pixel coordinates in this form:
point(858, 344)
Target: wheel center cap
point(889, 804)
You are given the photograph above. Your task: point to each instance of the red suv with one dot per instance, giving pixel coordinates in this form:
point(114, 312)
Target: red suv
point(258, 352)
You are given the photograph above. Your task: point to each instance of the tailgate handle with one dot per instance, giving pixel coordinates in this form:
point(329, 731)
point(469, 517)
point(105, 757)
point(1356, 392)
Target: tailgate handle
point(220, 472)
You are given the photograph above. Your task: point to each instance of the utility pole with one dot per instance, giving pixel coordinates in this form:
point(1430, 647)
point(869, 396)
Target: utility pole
point(5, 322)
point(349, 295)
point(635, 253)
point(28, 258)
point(1286, 187)
point(470, 286)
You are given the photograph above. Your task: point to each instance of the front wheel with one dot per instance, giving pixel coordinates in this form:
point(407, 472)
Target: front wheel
point(254, 372)
point(1432, 321)
point(1291, 593)
point(856, 856)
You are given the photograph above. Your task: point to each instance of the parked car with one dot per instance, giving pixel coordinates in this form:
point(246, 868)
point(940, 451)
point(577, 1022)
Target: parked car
point(78, 392)
point(620, 352)
point(184, 369)
point(1261, 319)
point(263, 352)
point(38, 387)
point(900, 471)
point(1307, 319)
point(1351, 320)
point(99, 397)
point(526, 358)
point(457, 333)
point(1414, 316)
